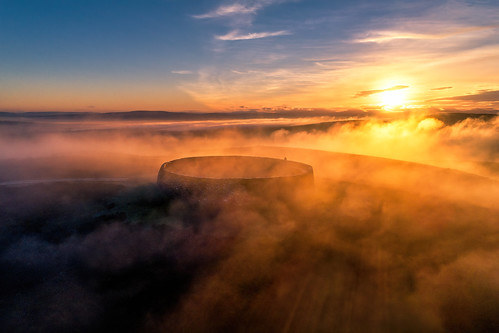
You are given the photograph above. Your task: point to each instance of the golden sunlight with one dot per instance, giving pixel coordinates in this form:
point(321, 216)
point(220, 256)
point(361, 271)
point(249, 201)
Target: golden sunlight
point(393, 98)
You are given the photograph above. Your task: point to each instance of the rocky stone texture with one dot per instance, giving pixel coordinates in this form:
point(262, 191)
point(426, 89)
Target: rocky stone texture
point(224, 174)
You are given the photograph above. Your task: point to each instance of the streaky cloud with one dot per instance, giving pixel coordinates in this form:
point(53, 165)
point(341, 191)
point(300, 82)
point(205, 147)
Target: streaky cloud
point(485, 96)
point(236, 35)
point(441, 88)
point(390, 35)
point(182, 72)
point(386, 36)
point(234, 9)
point(365, 93)
point(238, 8)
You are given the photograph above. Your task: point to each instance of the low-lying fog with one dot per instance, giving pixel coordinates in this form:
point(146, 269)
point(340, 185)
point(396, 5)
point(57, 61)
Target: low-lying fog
point(400, 233)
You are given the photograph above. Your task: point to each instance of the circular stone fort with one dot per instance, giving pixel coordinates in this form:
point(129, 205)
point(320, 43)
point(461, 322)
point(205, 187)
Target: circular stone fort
point(223, 174)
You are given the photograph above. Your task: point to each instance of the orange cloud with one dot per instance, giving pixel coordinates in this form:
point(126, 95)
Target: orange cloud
point(377, 91)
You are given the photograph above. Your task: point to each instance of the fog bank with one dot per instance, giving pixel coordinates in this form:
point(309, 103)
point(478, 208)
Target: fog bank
point(380, 244)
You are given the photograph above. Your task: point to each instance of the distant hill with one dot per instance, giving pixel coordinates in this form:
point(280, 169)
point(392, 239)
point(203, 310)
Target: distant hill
point(168, 115)
point(449, 118)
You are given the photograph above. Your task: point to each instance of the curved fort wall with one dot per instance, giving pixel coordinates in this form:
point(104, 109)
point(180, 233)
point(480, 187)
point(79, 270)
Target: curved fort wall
point(223, 174)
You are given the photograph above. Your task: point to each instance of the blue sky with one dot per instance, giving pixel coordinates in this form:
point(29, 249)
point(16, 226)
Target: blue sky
point(224, 55)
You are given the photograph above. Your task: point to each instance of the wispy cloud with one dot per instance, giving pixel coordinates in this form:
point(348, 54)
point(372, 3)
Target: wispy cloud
point(234, 9)
point(241, 7)
point(236, 35)
point(182, 72)
point(226, 88)
point(486, 96)
point(377, 91)
point(239, 16)
point(386, 36)
point(441, 88)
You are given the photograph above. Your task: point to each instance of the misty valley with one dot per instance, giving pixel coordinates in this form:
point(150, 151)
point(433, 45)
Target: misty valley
point(392, 237)
point(293, 166)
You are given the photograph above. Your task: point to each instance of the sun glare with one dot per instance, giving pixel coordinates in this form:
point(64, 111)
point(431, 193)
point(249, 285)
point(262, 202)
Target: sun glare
point(393, 98)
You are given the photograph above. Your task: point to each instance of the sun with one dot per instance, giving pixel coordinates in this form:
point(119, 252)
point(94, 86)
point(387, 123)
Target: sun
point(393, 98)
